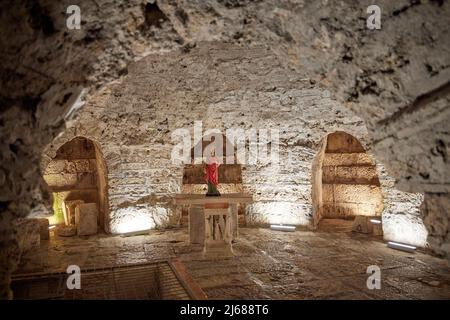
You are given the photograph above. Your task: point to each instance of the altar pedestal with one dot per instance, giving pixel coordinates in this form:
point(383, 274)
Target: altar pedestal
point(196, 223)
point(213, 221)
point(218, 233)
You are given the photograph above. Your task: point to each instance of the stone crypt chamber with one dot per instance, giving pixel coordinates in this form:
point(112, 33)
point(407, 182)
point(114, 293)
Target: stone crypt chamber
point(329, 144)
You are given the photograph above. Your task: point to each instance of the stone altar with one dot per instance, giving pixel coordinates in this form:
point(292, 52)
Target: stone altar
point(213, 221)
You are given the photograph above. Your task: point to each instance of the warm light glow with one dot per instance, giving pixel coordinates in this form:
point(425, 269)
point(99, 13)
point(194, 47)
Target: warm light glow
point(132, 220)
point(276, 213)
point(135, 224)
point(401, 246)
point(405, 228)
point(375, 221)
point(51, 227)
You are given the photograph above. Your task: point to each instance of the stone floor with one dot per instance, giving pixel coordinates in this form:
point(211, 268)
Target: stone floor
point(267, 264)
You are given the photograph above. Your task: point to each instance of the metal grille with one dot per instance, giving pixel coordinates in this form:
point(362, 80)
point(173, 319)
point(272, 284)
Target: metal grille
point(131, 282)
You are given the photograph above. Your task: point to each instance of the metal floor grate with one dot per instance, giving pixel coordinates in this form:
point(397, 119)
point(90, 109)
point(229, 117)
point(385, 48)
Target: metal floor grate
point(155, 281)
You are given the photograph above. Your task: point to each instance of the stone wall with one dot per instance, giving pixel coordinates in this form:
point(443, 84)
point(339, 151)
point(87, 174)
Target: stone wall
point(47, 71)
point(396, 79)
point(350, 184)
point(76, 173)
point(73, 168)
point(224, 87)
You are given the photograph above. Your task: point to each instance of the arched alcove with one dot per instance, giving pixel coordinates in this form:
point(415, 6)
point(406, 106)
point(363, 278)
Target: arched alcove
point(230, 173)
point(345, 183)
point(77, 174)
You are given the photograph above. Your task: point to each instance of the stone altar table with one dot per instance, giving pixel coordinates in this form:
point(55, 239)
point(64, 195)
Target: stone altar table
point(213, 221)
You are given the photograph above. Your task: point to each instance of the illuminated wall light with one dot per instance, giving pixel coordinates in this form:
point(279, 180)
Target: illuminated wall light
point(402, 228)
point(280, 213)
point(51, 227)
point(375, 221)
point(134, 224)
point(132, 220)
point(135, 233)
point(401, 246)
point(280, 227)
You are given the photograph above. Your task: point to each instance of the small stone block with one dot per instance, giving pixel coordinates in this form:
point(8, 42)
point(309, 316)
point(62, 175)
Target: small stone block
point(361, 224)
point(70, 210)
point(377, 229)
point(86, 219)
point(43, 229)
point(66, 231)
point(28, 234)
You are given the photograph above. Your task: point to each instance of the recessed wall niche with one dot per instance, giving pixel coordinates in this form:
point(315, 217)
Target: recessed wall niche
point(77, 175)
point(345, 181)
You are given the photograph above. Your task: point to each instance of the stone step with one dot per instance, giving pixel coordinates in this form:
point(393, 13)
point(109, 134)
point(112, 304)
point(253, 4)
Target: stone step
point(335, 225)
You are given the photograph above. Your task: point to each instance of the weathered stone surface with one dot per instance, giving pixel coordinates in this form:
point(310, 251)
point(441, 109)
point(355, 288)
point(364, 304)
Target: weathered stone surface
point(405, 227)
point(343, 210)
point(352, 194)
point(29, 234)
point(356, 175)
point(41, 82)
point(362, 224)
point(86, 215)
point(346, 159)
point(395, 78)
point(73, 167)
point(66, 231)
point(435, 214)
point(70, 206)
point(147, 161)
point(196, 225)
point(377, 229)
point(344, 189)
point(44, 232)
point(267, 264)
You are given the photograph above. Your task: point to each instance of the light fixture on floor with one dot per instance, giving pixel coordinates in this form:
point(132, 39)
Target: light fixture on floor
point(281, 227)
point(401, 246)
point(135, 233)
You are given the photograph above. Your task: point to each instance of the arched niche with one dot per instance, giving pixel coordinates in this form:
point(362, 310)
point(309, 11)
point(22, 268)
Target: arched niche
point(345, 182)
point(77, 173)
point(230, 173)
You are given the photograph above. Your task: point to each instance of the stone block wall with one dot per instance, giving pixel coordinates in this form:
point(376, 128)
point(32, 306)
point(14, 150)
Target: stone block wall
point(349, 189)
point(132, 122)
point(73, 168)
point(396, 79)
point(76, 170)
